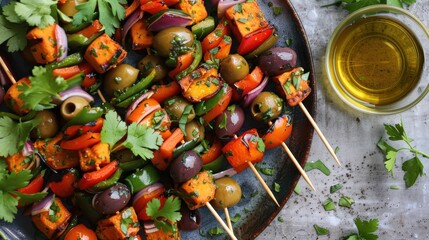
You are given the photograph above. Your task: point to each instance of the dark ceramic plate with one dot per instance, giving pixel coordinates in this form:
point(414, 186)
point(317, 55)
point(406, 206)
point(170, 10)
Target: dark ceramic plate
point(256, 208)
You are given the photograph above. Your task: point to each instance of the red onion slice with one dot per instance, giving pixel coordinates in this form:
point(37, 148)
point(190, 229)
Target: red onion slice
point(62, 45)
point(247, 100)
point(135, 17)
point(147, 190)
point(226, 173)
point(134, 105)
point(74, 91)
point(223, 5)
point(43, 205)
point(1, 94)
point(149, 227)
point(169, 19)
point(28, 149)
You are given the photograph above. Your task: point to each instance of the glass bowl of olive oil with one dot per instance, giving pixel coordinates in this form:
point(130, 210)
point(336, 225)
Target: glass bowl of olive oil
point(377, 60)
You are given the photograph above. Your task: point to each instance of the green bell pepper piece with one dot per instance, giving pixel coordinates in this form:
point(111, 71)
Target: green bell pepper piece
point(103, 185)
point(77, 41)
point(84, 201)
point(142, 178)
point(205, 106)
point(68, 61)
point(132, 165)
point(185, 147)
point(134, 89)
point(217, 165)
point(203, 28)
point(269, 43)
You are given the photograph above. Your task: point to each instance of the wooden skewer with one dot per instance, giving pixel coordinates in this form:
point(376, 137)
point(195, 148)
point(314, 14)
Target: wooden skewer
point(328, 146)
point(303, 173)
point(7, 71)
point(221, 222)
point(100, 94)
point(228, 219)
point(258, 176)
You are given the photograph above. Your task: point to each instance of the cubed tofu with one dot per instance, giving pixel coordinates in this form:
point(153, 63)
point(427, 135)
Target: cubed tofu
point(52, 223)
point(104, 53)
point(92, 158)
point(198, 190)
point(112, 228)
point(195, 8)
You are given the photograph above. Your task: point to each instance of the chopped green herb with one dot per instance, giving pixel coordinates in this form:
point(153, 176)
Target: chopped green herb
point(394, 187)
point(276, 187)
point(320, 231)
point(254, 194)
point(329, 205)
point(346, 202)
point(215, 231)
point(317, 165)
point(297, 189)
point(288, 42)
point(366, 230)
point(236, 218)
point(267, 171)
point(335, 187)
point(337, 149)
point(277, 11)
point(280, 219)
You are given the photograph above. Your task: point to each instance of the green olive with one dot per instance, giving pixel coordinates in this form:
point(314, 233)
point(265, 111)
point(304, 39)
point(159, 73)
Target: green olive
point(228, 193)
point(194, 129)
point(233, 68)
point(173, 37)
point(120, 78)
point(48, 126)
point(175, 107)
point(266, 106)
point(150, 62)
point(69, 7)
point(72, 106)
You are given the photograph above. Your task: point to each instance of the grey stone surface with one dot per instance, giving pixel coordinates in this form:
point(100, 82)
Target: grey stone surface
point(403, 213)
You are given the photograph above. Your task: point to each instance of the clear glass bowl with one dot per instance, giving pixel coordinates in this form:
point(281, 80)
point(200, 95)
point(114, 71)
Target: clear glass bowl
point(377, 60)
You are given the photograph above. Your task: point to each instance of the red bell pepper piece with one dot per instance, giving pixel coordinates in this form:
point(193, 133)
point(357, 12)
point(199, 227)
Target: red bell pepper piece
point(162, 92)
point(213, 152)
point(65, 187)
point(145, 108)
point(247, 84)
point(253, 40)
point(85, 140)
point(214, 38)
point(34, 186)
point(220, 106)
point(248, 147)
point(89, 179)
point(278, 132)
point(77, 130)
point(162, 157)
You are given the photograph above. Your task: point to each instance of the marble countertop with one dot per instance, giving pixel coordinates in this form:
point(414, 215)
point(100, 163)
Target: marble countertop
point(403, 213)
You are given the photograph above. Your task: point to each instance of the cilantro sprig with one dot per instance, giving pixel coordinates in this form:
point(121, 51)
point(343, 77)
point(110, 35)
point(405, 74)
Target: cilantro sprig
point(13, 135)
point(353, 5)
point(141, 140)
point(17, 16)
point(412, 167)
point(111, 13)
point(366, 230)
point(9, 196)
point(44, 86)
point(165, 217)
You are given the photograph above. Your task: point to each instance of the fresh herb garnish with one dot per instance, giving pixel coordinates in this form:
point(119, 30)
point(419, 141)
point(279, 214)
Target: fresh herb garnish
point(111, 13)
point(276, 187)
point(141, 140)
point(320, 231)
point(346, 202)
point(297, 189)
point(13, 135)
point(412, 167)
point(236, 218)
point(366, 230)
point(317, 165)
point(335, 188)
point(166, 216)
point(215, 231)
point(10, 182)
point(329, 205)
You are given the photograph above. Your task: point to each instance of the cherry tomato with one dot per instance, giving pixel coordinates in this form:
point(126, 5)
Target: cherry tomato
point(80, 232)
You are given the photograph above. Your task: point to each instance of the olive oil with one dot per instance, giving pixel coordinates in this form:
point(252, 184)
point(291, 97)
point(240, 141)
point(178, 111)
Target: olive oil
point(378, 60)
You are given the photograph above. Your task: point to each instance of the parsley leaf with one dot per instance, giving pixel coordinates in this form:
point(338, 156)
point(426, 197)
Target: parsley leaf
point(366, 230)
point(412, 167)
point(35, 13)
point(335, 188)
point(328, 205)
point(215, 231)
point(346, 202)
point(236, 218)
point(13, 135)
point(14, 34)
point(113, 129)
point(9, 183)
point(141, 140)
point(170, 211)
point(44, 86)
point(111, 12)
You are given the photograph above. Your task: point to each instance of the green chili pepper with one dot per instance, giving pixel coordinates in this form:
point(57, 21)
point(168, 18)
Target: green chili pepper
point(203, 107)
point(142, 178)
point(84, 201)
point(86, 115)
point(106, 183)
point(132, 165)
point(127, 102)
point(198, 55)
point(78, 41)
point(185, 147)
point(68, 61)
point(134, 89)
point(269, 43)
point(72, 224)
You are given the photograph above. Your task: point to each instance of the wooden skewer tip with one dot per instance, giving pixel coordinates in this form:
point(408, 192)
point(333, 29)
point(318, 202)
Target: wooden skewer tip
point(221, 222)
point(228, 219)
point(264, 185)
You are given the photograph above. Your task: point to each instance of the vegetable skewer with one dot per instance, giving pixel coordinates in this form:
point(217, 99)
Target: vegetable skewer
point(7, 70)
